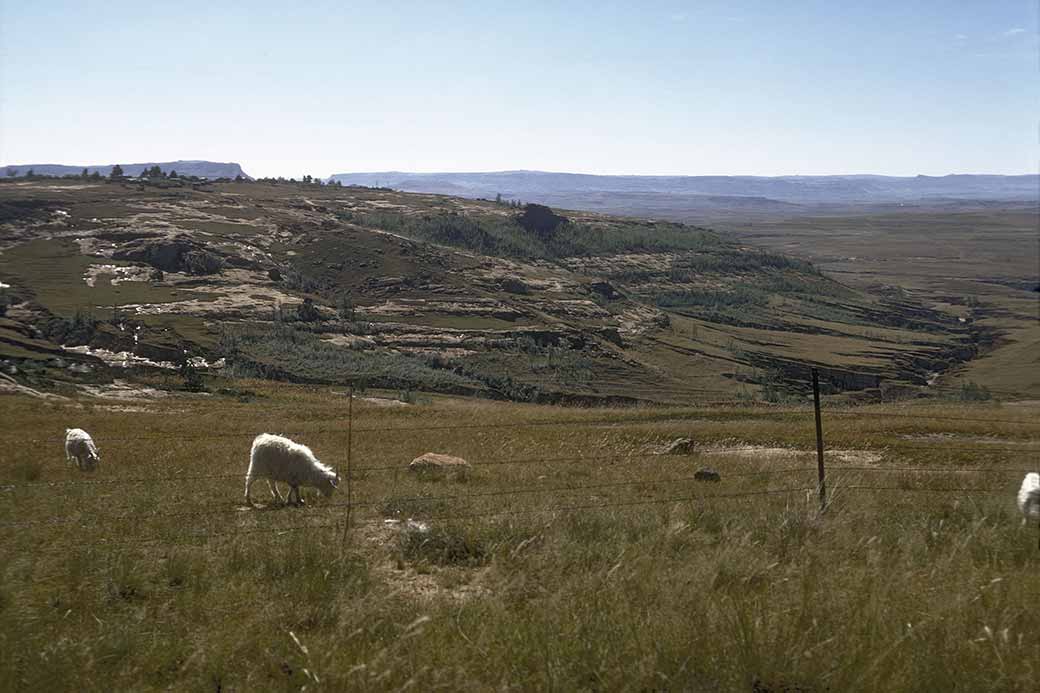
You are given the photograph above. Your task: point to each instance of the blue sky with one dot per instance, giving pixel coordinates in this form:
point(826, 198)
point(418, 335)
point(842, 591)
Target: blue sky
point(734, 87)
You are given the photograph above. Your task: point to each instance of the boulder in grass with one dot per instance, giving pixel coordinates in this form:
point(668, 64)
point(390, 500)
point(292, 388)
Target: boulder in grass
point(707, 474)
point(679, 446)
point(434, 464)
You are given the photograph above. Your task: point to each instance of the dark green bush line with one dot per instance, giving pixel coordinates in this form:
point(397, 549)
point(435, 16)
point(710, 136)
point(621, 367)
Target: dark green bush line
point(713, 300)
point(292, 351)
point(284, 351)
point(488, 236)
point(731, 261)
point(506, 237)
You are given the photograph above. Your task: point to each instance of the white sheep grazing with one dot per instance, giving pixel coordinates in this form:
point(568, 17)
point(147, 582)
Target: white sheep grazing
point(79, 447)
point(277, 458)
point(1029, 497)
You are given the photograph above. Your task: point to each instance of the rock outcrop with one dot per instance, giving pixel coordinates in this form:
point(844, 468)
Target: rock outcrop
point(178, 254)
point(436, 465)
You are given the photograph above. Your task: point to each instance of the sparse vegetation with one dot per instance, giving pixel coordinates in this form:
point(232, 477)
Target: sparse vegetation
point(601, 291)
point(714, 301)
point(74, 331)
point(506, 237)
point(345, 308)
point(307, 311)
point(443, 546)
point(283, 351)
point(191, 377)
point(294, 279)
point(973, 392)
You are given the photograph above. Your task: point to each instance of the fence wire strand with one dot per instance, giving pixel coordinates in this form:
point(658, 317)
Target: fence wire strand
point(836, 476)
point(697, 415)
point(166, 540)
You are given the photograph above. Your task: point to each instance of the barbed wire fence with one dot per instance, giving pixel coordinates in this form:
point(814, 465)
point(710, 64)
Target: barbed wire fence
point(564, 498)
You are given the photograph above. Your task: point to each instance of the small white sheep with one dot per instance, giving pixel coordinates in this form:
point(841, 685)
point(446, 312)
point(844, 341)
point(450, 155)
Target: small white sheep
point(1029, 497)
point(277, 458)
point(80, 448)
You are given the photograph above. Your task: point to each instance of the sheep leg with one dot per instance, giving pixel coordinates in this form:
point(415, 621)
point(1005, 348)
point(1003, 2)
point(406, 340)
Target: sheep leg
point(273, 485)
point(299, 498)
point(249, 482)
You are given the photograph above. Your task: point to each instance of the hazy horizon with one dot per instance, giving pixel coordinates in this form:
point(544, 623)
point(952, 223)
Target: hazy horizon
point(734, 88)
point(246, 167)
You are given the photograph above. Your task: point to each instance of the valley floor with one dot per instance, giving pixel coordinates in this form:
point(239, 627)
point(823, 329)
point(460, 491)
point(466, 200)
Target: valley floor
point(977, 261)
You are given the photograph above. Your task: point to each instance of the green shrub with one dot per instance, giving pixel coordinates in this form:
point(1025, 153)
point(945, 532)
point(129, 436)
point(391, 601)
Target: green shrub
point(75, 331)
point(192, 378)
point(541, 221)
point(973, 392)
point(307, 311)
point(296, 280)
point(202, 263)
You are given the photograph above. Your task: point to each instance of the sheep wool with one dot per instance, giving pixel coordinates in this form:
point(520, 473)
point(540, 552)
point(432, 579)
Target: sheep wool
point(1029, 497)
point(80, 450)
point(276, 458)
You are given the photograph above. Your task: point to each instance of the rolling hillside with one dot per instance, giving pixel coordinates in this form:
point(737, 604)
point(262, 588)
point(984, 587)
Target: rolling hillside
point(318, 283)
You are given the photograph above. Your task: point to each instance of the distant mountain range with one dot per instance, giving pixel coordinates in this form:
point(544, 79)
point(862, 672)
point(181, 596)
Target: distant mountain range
point(202, 169)
point(675, 195)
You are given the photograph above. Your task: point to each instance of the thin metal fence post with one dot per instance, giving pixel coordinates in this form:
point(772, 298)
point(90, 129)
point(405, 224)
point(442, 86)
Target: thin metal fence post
point(822, 490)
point(350, 459)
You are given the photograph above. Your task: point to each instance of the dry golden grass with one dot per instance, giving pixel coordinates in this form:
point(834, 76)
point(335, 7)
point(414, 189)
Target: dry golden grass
point(564, 561)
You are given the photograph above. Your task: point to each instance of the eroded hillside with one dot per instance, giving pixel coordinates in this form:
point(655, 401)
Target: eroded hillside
point(411, 291)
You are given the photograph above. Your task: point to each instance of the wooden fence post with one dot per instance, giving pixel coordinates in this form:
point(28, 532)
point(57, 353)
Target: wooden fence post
point(822, 489)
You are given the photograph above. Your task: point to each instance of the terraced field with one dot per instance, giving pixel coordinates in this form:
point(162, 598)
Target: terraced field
point(425, 292)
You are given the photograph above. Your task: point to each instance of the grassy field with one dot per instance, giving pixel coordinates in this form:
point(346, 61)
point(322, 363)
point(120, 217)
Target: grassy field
point(571, 558)
point(56, 270)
